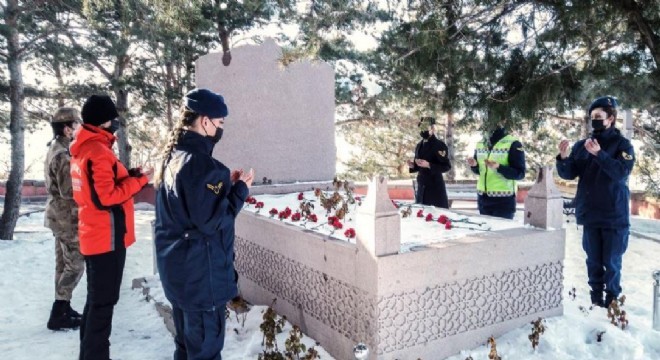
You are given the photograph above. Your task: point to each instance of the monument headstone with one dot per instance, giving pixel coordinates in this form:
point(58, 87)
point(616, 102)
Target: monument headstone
point(281, 119)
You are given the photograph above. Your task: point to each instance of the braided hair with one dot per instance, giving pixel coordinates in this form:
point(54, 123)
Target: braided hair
point(187, 118)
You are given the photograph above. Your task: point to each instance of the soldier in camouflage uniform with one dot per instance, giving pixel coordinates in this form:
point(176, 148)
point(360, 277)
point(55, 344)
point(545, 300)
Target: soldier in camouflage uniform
point(62, 218)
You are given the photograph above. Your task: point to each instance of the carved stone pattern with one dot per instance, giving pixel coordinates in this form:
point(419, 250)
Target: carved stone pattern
point(344, 308)
point(420, 316)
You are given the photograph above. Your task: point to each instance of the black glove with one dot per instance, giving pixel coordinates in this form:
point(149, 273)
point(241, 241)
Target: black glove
point(134, 172)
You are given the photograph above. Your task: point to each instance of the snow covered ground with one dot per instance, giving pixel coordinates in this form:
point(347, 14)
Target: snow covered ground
point(26, 295)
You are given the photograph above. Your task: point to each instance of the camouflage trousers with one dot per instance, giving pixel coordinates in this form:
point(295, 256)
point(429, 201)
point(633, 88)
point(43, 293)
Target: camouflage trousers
point(69, 264)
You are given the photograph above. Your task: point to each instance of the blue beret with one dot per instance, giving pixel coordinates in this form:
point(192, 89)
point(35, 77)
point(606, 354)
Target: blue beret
point(602, 102)
point(206, 102)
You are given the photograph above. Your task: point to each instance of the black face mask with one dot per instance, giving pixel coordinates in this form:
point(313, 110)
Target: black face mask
point(598, 125)
point(114, 126)
point(218, 135)
point(425, 134)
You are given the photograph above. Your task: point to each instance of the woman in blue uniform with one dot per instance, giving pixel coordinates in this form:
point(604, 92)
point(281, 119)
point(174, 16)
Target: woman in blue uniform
point(197, 201)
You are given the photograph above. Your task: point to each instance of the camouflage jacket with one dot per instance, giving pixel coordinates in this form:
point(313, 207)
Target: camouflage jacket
point(61, 209)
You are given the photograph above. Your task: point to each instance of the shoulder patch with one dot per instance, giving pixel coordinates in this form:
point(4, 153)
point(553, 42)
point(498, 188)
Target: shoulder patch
point(442, 153)
point(626, 156)
point(520, 149)
point(215, 188)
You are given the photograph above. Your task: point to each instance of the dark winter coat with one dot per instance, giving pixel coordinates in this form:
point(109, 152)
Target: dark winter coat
point(196, 205)
point(431, 188)
point(602, 198)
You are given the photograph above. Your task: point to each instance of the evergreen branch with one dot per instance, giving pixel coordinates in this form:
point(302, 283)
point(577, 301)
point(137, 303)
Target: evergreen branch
point(94, 60)
point(359, 120)
point(28, 48)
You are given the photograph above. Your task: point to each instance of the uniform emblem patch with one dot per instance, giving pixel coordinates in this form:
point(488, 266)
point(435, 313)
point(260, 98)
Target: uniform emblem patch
point(442, 153)
point(626, 156)
point(520, 149)
point(215, 188)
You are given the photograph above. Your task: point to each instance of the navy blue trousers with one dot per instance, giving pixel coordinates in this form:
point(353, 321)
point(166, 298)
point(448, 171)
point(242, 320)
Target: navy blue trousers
point(604, 248)
point(200, 335)
point(503, 207)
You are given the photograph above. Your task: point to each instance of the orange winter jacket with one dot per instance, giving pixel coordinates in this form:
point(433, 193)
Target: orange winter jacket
point(104, 192)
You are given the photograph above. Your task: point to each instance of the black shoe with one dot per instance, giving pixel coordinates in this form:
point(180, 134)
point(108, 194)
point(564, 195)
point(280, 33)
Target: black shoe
point(60, 318)
point(72, 313)
point(597, 298)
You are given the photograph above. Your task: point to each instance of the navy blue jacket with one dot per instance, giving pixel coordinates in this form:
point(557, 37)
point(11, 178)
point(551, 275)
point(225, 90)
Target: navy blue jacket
point(514, 171)
point(602, 198)
point(196, 205)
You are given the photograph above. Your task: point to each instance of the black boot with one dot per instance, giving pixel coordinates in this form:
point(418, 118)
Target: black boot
point(60, 318)
point(597, 298)
point(72, 313)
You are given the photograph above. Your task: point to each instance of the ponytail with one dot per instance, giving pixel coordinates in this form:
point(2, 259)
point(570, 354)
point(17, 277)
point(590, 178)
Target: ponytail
point(187, 118)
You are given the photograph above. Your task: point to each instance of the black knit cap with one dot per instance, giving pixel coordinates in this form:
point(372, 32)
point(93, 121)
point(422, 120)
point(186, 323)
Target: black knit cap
point(98, 109)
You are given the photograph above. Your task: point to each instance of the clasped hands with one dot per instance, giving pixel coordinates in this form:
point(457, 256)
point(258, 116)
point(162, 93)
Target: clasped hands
point(246, 177)
point(591, 145)
point(419, 162)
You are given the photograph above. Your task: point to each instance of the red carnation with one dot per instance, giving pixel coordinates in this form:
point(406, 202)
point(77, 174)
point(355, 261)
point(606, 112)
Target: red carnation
point(301, 196)
point(273, 211)
point(251, 200)
point(443, 219)
point(295, 216)
point(259, 205)
point(331, 219)
point(420, 213)
point(284, 214)
point(448, 225)
point(337, 224)
point(312, 218)
point(350, 233)
point(287, 211)
point(429, 217)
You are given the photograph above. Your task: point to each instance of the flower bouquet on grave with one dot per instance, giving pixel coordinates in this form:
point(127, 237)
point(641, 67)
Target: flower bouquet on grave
point(449, 222)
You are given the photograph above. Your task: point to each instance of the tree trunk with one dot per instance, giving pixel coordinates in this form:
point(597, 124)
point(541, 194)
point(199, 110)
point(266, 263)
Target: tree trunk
point(451, 175)
point(168, 91)
point(16, 124)
point(122, 134)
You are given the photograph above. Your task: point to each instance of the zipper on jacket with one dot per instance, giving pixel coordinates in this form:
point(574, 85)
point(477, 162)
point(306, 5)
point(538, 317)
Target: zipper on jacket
point(486, 174)
point(208, 253)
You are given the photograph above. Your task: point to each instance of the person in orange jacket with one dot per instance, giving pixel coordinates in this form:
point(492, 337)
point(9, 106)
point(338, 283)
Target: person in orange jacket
point(103, 189)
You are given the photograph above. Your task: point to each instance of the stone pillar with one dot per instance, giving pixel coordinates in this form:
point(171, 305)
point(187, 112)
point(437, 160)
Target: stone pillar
point(628, 128)
point(378, 224)
point(544, 204)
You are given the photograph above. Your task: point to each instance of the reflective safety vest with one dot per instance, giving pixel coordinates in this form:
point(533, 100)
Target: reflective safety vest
point(491, 182)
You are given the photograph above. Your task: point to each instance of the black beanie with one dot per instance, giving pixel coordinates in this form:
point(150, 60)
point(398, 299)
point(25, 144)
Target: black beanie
point(98, 109)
